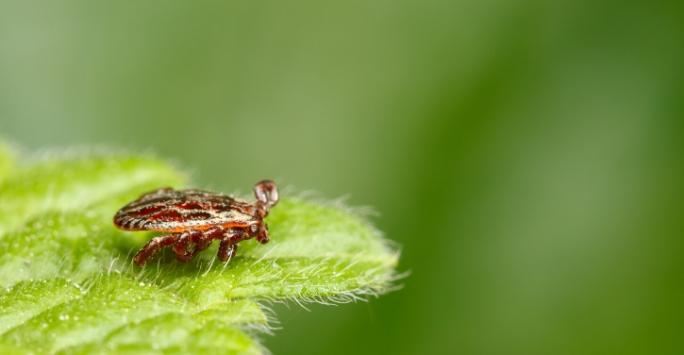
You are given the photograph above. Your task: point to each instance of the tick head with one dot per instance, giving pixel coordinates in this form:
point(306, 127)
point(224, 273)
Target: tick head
point(266, 193)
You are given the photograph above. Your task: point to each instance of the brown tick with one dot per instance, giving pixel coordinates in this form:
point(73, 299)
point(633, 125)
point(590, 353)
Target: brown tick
point(195, 218)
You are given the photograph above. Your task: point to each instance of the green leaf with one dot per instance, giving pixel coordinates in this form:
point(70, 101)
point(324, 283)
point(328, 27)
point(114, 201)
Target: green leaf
point(69, 285)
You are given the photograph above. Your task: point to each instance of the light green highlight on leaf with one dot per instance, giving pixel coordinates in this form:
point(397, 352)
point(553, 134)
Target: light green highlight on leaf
point(173, 334)
point(27, 299)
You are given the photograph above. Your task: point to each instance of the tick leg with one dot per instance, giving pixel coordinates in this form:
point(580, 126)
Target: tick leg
point(262, 238)
point(153, 246)
point(201, 245)
point(200, 239)
point(226, 250)
point(228, 246)
point(181, 247)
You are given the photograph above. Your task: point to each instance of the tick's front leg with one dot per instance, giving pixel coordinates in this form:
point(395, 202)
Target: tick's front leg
point(226, 250)
point(153, 246)
point(228, 246)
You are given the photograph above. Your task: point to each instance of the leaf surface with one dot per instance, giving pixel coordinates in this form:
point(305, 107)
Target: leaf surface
point(69, 286)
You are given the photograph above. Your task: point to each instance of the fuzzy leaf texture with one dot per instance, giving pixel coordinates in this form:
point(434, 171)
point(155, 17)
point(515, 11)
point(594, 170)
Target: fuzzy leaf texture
point(68, 285)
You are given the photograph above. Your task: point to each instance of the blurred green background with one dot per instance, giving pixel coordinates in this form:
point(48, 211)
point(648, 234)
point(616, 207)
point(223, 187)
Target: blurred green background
point(526, 155)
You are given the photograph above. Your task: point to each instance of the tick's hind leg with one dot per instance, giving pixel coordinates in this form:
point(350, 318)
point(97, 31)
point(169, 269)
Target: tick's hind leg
point(153, 246)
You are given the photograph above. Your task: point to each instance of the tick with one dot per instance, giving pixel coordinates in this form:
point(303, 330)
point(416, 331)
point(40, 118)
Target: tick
point(192, 219)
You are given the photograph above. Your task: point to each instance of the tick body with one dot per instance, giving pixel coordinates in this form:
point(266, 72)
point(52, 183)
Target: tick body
point(192, 219)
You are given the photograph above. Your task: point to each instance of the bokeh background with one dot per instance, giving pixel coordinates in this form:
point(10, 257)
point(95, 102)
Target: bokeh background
point(526, 155)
